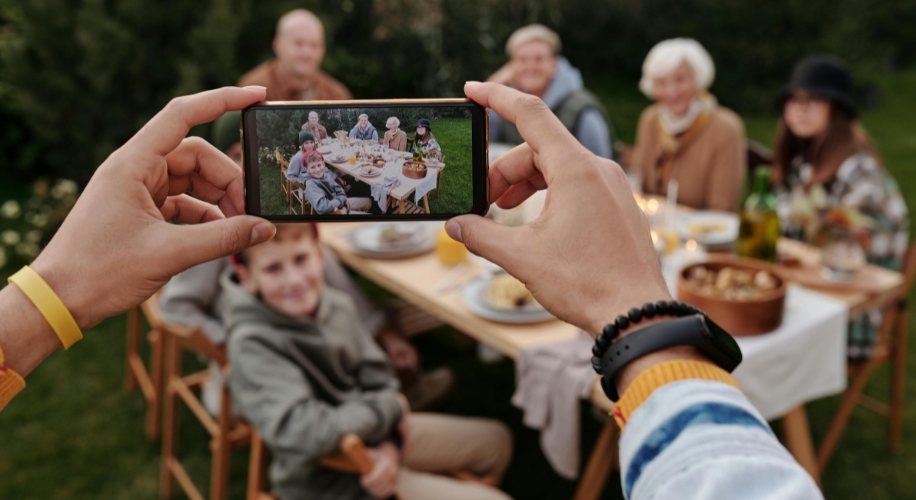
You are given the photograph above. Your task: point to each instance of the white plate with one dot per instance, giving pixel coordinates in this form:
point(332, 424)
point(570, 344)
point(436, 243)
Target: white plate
point(377, 173)
point(475, 294)
point(727, 234)
point(324, 151)
point(366, 240)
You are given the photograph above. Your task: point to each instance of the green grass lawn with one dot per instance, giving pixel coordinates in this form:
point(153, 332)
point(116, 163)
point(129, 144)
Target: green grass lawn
point(455, 196)
point(75, 434)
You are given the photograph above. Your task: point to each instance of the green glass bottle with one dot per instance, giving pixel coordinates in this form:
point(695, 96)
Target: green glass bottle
point(759, 230)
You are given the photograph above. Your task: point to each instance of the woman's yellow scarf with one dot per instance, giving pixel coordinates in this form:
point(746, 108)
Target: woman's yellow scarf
point(673, 144)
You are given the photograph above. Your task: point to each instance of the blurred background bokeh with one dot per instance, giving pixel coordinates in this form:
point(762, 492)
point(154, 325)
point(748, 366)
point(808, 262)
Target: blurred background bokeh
point(80, 77)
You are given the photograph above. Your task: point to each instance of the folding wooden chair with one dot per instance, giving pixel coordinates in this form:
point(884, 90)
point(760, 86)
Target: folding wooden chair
point(150, 381)
point(227, 432)
point(284, 165)
point(351, 457)
point(890, 347)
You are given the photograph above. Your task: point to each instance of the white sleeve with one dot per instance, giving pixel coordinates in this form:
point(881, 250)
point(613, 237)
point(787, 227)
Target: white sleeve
point(702, 440)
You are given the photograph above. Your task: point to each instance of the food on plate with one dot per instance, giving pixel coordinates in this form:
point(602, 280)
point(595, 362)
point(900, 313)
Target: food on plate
point(731, 283)
point(393, 235)
point(701, 229)
point(367, 169)
point(508, 293)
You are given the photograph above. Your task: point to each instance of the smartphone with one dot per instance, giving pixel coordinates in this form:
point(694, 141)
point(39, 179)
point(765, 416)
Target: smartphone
point(423, 159)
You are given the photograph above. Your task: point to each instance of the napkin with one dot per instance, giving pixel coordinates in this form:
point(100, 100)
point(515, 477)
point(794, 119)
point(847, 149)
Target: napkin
point(426, 185)
point(551, 380)
point(380, 191)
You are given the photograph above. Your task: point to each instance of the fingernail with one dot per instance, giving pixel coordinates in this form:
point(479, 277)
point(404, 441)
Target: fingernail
point(262, 232)
point(471, 82)
point(255, 87)
point(454, 230)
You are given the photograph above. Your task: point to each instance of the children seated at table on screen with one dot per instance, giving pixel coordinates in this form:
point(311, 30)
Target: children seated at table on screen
point(296, 170)
point(364, 131)
point(423, 139)
point(394, 138)
point(322, 190)
point(305, 372)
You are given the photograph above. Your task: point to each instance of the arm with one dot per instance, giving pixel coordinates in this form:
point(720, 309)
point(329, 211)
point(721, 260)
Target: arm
point(316, 196)
point(352, 133)
point(188, 299)
point(272, 393)
point(340, 196)
point(592, 289)
point(729, 170)
point(294, 170)
point(593, 133)
point(117, 247)
point(374, 134)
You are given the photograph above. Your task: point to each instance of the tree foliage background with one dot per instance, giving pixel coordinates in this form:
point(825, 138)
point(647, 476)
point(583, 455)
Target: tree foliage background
point(79, 77)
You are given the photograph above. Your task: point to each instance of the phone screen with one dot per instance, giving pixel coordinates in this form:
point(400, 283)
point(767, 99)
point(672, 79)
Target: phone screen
point(365, 160)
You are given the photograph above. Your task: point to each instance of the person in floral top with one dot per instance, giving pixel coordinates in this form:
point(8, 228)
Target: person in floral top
point(829, 178)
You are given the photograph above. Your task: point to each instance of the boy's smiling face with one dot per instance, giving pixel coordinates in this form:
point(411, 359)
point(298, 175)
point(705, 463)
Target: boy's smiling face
point(287, 271)
point(314, 165)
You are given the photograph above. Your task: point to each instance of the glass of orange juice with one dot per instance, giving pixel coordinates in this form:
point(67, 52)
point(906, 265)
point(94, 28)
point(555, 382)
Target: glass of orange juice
point(352, 159)
point(449, 251)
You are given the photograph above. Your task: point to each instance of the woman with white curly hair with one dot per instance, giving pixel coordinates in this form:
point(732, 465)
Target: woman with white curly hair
point(394, 138)
point(686, 136)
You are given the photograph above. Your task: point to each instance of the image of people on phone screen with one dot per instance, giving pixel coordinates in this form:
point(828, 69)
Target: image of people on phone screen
point(332, 161)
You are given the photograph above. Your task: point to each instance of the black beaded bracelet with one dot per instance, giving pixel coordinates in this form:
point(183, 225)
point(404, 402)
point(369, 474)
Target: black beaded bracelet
point(647, 311)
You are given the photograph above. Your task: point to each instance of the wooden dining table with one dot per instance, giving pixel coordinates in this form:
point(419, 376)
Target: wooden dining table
point(394, 162)
point(414, 279)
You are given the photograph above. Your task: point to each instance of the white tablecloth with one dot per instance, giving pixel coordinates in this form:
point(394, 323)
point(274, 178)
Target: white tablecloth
point(803, 360)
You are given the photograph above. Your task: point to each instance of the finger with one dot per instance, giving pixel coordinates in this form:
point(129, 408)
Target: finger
point(187, 210)
point(511, 168)
point(195, 244)
point(535, 121)
point(517, 194)
point(198, 168)
point(165, 131)
point(489, 239)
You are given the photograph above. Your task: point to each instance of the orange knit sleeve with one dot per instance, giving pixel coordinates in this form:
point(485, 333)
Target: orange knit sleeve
point(10, 383)
point(665, 373)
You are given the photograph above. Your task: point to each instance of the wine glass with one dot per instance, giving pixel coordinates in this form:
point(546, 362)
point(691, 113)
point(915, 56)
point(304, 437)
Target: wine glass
point(842, 256)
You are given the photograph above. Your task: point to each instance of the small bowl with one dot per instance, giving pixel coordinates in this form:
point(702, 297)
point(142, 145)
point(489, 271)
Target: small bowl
point(755, 316)
point(378, 162)
point(419, 173)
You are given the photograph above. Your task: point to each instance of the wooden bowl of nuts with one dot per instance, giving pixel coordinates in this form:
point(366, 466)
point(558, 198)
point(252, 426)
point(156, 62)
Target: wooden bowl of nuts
point(743, 296)
point(414, 170)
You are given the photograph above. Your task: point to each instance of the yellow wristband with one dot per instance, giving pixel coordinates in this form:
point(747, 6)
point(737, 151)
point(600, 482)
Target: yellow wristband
point(49, 305)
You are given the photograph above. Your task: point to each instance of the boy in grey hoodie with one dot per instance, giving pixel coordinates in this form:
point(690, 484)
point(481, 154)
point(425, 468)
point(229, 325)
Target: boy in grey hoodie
point(323, 192)
point(305, 372)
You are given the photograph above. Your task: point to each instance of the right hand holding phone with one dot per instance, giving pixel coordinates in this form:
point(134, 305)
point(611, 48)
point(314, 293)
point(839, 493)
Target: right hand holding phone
point(588, 257)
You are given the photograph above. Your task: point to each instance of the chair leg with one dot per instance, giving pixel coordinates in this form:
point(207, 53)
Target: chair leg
point(221, 449)
point(600, 463)
point(257, 479)
point(170, 418)
point(154, 410)
point(898, 377)
point(838, 425)
point(133, 338)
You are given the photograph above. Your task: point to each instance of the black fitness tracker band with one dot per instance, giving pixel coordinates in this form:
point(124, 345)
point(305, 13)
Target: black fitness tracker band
point(695, 330)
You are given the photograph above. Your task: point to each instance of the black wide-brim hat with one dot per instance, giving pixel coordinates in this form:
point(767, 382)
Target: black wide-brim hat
point(824, 76)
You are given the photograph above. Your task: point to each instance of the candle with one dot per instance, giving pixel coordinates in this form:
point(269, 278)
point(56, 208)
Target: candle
point(693, 253)
point(660, 244)
point(651, 207)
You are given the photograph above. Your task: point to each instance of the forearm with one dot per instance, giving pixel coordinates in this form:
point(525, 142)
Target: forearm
point(26, 336)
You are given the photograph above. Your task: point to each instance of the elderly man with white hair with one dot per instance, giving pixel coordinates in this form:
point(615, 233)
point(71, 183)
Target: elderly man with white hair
point(295, 75)
point(536, 67)
point(686, 136)
point(364, 131)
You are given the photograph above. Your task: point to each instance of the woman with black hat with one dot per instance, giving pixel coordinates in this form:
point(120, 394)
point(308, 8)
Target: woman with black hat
point(829, 178)
point(423, 138)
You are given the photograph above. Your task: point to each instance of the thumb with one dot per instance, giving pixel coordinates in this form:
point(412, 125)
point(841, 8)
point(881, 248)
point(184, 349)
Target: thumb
point(486, 238)
point(199, 243)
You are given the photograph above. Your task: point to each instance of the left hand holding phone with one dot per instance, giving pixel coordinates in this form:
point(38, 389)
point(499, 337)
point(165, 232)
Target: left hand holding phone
point(116, 247)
